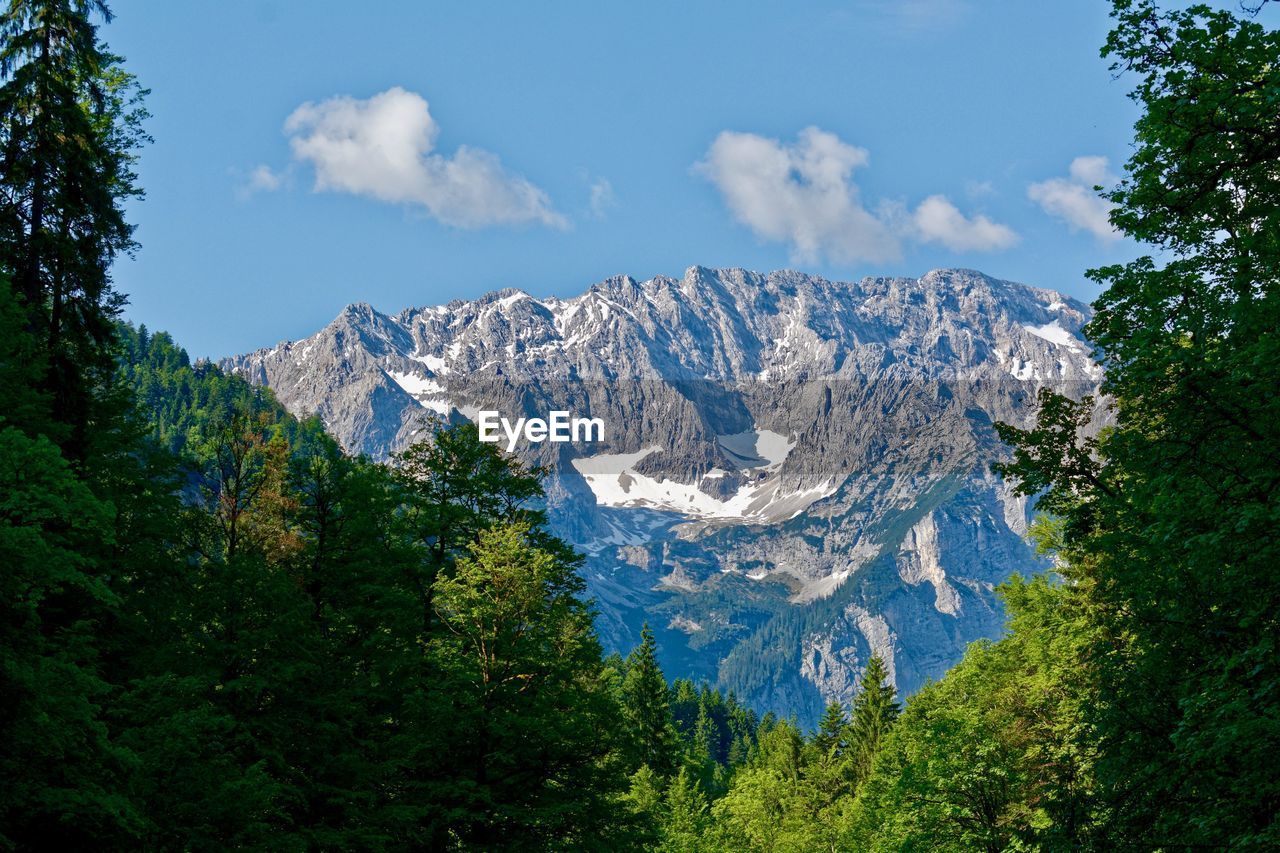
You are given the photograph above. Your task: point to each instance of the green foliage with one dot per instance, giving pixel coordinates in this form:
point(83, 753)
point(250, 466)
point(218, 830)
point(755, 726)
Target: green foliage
point(874, 713)
point(1170, 528)
point(997, 753)
point(648, 709)
point(70, 123)
point(771, 804)
point(832, 736)
point(686, 815)
point(261, 641)
point(530, 721)
point(183, 404)
point(645, 802)
point(23, 404)
point(220, 631)
point(62, 773)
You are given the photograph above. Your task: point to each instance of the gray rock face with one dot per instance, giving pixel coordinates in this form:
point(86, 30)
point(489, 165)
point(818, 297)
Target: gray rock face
point(794, 472)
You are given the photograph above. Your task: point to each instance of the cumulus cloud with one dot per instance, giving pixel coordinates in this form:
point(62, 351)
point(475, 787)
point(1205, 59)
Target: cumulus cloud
point(799, 194)
point(382, 148)
point(803, 194)
point(1093, 171)
point(937, 220)
point(1074, 200)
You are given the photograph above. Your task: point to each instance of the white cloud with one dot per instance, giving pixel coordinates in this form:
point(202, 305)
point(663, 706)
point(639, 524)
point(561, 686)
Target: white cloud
point(381, 148)
point(1074, 200)
point(799, 194)
point(1093, 170)
point(259, 179)
point(802, 194)
point(938, 221)
point(602, 197)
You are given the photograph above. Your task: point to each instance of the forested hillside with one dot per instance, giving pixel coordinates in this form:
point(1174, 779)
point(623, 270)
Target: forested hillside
point(181, 404)
point(221, 631)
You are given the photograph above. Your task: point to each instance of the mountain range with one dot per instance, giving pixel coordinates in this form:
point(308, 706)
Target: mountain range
point(794, 473)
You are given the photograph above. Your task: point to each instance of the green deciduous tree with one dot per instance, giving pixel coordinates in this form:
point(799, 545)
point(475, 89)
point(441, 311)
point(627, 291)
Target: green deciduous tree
point(62, 772)
point(998, 752)
point(528, 720)
point(771, 804)
point(1171, 526)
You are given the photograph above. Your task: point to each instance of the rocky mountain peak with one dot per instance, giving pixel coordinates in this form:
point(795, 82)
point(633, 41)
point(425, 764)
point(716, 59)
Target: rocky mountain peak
point(795, 471)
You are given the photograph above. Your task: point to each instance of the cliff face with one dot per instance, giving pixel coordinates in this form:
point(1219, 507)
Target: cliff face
point(794, 472)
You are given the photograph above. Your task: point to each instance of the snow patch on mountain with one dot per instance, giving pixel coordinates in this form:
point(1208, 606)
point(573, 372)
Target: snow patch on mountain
point(434, 363)
point(615, 482)
point(415, 385)
point(1055, 334)
point(426, 391)
point(757, 448)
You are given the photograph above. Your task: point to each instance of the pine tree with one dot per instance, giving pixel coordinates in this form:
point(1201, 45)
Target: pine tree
point(874, 711)
point(832, 730)
point(645, 800)
point(740, 751)
point(66, 135)
point(706, 734)
point(455, 486)
point(647, 704)
point(23, 405)
point(70, 122)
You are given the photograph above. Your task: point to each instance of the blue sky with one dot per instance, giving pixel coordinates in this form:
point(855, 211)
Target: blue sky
point(311, 154)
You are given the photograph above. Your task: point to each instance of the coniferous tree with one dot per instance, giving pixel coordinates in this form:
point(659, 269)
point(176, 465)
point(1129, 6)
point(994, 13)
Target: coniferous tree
point(771, 803)
point(456, 486)
point(684, 815)
point(63, 775)
point(69, 125)
point(706, 738)
point(874, 711)
point(832, 730)
point(66, 135)
point(647, 704)
point(259, 641)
